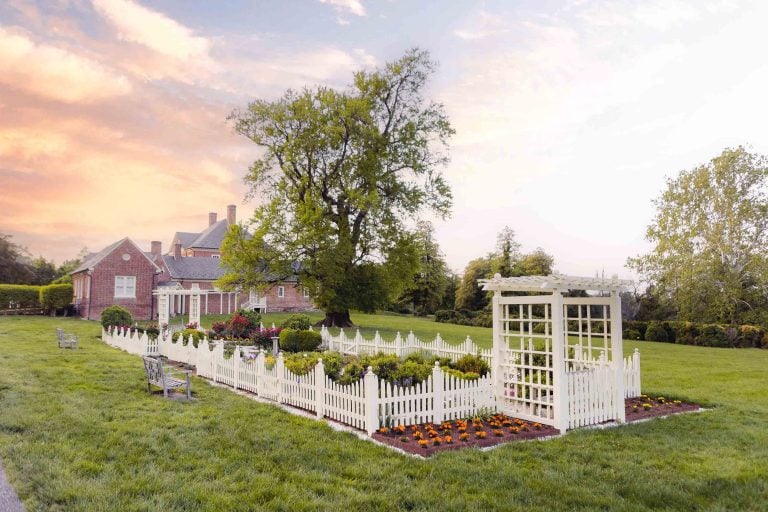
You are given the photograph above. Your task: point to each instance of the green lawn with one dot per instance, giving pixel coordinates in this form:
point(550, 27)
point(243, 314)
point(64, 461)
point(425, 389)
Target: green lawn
point(79, 432)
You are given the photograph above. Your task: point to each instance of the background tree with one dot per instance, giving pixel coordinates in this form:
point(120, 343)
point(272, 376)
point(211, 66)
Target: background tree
point(508, 252)
point(536, 263)
point(425, 292)
point(709, 237)
point(469, 295)
point(340, 174)
point(13, 268)
point(43, 271)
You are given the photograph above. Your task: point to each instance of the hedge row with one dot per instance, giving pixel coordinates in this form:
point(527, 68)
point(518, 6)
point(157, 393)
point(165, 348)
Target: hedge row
point(19, 296)
point(689, 333)
point(464, 317)
point(49, 298)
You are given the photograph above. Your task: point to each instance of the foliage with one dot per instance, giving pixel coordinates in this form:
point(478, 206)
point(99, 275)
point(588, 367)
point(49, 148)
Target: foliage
point(341, 173)
point(709, 235)
point(263, 337)
point(299, 322)
point(631, 334)
point(656, 332)
point(55, 296)
point(426, 291)
point(293, 340)
point(253, 317)
point(19, 296)
point(116, 316)
point(469, 295)
point(185, 334)
point(472, 363)
point(13, 268)
point(536, 263)
point(465, 317)
point(508, 252)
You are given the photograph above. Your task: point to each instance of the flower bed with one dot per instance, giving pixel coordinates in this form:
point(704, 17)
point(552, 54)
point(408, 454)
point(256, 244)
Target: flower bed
point(427, 439)
point(644, 407)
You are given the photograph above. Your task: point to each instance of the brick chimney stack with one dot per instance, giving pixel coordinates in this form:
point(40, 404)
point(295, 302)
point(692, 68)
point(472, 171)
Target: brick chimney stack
point(231, 218)
point(157, 248)
point(211, 219)
point(177, 251)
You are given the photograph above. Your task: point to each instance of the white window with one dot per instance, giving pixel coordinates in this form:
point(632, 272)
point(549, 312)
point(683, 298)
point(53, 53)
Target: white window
point(281, 291)
point(125, 287)
point(215, 256)
point(306, 293)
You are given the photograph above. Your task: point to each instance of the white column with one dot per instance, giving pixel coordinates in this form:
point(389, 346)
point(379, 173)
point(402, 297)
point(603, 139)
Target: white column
point(617, 356)
point(206, 303)
point(162, 309)
point(438, 390)
point(371, 390)
point(496, 373)
point(560, 386)
point(194, 309)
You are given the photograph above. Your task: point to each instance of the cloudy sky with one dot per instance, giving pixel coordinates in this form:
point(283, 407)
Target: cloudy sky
point(569, 115)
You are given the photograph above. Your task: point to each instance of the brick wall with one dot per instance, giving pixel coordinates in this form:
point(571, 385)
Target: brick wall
point(102, 289)
point(293, 299)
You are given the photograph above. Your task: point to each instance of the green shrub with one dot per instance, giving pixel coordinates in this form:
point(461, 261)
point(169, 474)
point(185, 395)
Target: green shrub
point(749, 336)
point(656, 332)
point(301, 363)
point(713, 336)
point(254, 317)
point(196, 336)
point(292, 340)
point(19, 296)
point(445, 315)
point(631, 334)
point(462, 375)
point(636, 325)
point(385, 365)
point(409, 373)
point(297, 322)
point(685, 332)
point(472, 363)
point(55, 296)
point(115, 316)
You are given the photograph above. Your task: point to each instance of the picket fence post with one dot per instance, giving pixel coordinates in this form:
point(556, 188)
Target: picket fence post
point(371, 390)
point(260, 370)
point(320, 388)
point(398, 345)
point(280, 371)
point(438, 394)
point(218, 353)
point(236, 365)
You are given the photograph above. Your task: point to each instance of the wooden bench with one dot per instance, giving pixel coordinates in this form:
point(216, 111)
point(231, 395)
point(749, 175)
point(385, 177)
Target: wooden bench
point(66, 340)
point(162, 377)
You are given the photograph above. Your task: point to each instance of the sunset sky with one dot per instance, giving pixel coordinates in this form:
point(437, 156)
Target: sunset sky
point(568, 115)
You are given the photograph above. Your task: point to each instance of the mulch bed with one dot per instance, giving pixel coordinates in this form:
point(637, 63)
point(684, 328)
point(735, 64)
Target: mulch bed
point(427, 439)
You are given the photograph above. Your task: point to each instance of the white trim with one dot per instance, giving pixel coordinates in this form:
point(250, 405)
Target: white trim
point(281, 292)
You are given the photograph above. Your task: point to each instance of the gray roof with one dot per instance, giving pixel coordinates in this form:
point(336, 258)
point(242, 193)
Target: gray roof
point(212, 237)
point(93, 259)
point(198, 267)
point(185, 238)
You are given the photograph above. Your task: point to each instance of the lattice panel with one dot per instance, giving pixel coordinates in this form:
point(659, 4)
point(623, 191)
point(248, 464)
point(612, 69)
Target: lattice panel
point(588, 332)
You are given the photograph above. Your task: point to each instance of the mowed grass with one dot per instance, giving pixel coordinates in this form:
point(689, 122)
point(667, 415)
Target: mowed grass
point(78, 431)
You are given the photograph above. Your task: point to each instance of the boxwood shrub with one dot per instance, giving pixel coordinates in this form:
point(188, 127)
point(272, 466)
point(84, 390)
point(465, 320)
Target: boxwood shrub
point(115, 316)
point(292, 340)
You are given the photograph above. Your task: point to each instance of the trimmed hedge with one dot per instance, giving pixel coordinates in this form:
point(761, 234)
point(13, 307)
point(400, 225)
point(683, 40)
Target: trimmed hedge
point(464, 317)
point(55, 296)
point(19, 296)
point(292, 340)
point(705, 335)
point(115, 316)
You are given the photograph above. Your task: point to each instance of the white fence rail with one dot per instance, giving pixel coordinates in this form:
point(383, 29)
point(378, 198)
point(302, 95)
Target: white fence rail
point(401, 346)
point(366, 404)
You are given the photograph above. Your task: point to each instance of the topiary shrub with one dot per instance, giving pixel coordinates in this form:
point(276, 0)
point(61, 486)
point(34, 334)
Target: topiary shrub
point(631, 334)
point(713, 336)
point(115, 316)
point(19, 296)
point(472, 363)
point(656, 332)
point(292, 340)
point(297, 322)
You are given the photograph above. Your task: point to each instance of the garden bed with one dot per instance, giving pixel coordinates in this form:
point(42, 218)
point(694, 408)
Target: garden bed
point(426, 439)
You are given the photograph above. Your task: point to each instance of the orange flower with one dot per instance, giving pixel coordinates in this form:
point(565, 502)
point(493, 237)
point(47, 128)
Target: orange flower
point(418, 435)
point(464, 436)
point(498, 432)
point(437, 441)
point(448, 440)
point(432, 433)
point(514, 430)
point(481, 434)
point(383, 430)
point(537, 426)
point(462, 429)
point(423, 443)
point(400, 428)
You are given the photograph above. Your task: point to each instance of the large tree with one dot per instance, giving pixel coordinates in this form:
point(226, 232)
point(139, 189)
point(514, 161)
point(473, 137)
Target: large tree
point(425, 292)
point(341, 173)
point(709, 237)
point(13, 266)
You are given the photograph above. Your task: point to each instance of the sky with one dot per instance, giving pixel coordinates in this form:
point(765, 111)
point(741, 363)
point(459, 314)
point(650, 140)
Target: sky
point(570, 116)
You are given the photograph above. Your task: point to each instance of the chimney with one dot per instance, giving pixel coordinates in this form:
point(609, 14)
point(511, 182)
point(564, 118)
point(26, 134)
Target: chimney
point(157, 248)
point(177, 251)
point(231, 214)
point(211, 219)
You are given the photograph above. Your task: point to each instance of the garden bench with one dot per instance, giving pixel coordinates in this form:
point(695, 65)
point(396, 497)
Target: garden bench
point(164, 377)
point(66, 340)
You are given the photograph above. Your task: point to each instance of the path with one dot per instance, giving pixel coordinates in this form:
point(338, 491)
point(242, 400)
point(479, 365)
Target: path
point(9, 502)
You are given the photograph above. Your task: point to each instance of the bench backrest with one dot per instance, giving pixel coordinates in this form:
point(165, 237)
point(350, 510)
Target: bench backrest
point(59, 333)
point(154, 369)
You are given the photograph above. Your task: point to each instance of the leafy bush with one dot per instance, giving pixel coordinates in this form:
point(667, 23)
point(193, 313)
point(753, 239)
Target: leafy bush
point(713, 336)
point(55, 296)
point(292, 340)
point(472, 363)
point(409, 373)
point(636, 325)
point(115, 316)
point(685, 332)
point(297, 322)
point(186, 333)
point(631, 334)
point(445, 315)
point(462, 375)
point(263, 337)
point(749, 336)
point(18, 296)
point(239, 326)
point(254, 317)
point(656, 332)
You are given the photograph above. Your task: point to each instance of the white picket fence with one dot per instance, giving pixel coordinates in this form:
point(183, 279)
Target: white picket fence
point(401, 346)
point(366, 404)
point(370, 403)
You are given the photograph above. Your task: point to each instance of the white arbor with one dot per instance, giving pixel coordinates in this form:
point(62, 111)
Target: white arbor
point(556, 359)
point(164, 303)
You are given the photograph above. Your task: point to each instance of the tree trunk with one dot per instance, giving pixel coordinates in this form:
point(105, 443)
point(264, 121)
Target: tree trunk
point(336, 319)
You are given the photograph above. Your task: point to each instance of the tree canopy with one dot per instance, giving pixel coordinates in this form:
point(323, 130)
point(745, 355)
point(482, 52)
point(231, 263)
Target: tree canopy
point(709, 236)
point(341, 175)
point(426, 291)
